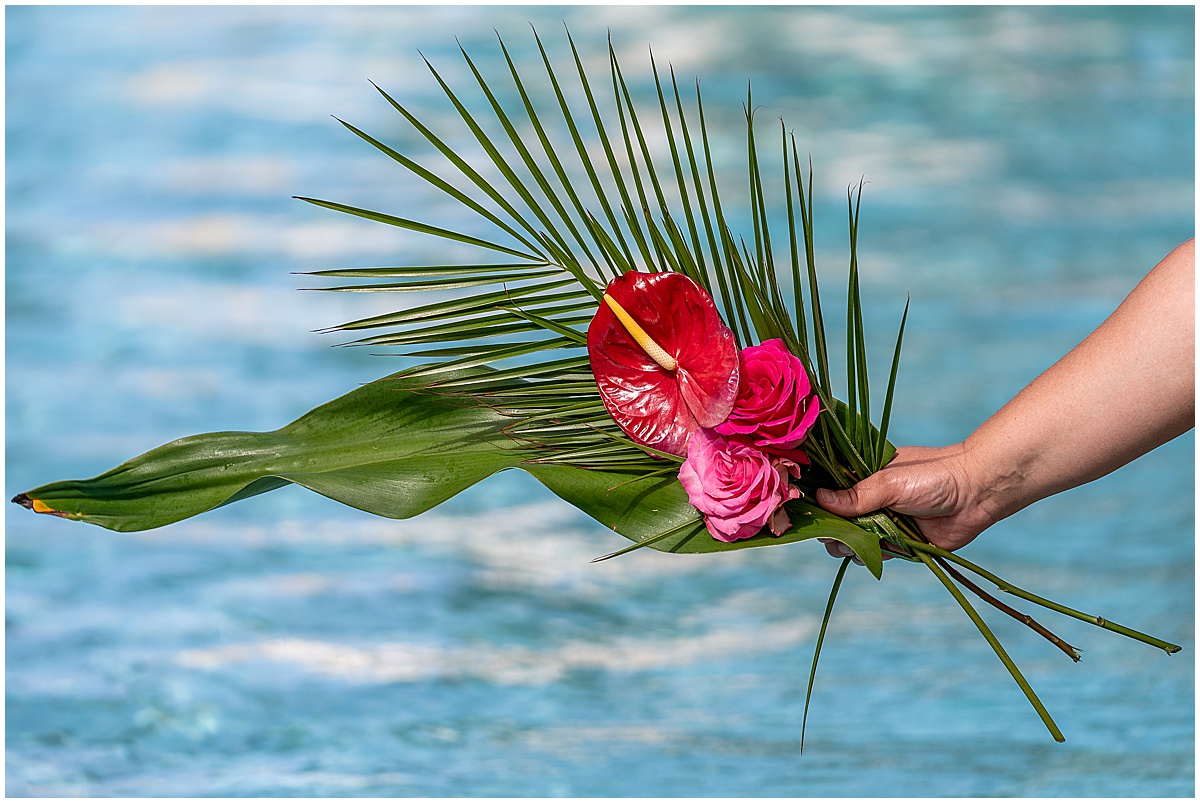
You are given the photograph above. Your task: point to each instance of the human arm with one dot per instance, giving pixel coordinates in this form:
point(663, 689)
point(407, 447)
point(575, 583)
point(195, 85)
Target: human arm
point(1126, 389)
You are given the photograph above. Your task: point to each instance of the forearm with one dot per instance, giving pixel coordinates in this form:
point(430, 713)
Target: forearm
point(1126, 389)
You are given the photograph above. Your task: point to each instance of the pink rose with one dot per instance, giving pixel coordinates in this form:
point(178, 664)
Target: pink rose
point(775, 405)
point(737, 487)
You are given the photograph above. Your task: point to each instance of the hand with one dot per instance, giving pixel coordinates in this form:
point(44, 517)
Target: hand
point(936, 486)
point(1126, 389)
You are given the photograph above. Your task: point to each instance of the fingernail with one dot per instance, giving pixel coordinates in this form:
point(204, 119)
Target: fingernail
point(824, 496)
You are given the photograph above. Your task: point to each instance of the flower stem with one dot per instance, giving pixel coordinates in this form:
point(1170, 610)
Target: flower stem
point(1023, 618)
point(1009, 588)
point(995, 645)
point(912, 537)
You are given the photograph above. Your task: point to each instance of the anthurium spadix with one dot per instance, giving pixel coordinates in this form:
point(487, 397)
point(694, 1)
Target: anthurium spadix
point(665, 362)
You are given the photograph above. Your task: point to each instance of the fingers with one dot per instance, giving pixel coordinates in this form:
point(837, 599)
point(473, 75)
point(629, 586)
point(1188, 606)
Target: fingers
point(839, 550)
point(869, 495)
point(865, 497)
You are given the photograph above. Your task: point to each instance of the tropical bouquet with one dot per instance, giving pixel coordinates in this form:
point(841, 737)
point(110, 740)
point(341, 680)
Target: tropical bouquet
point(609, 334)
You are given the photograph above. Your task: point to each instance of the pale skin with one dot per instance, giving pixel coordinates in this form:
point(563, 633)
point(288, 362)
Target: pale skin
point(1127, 388)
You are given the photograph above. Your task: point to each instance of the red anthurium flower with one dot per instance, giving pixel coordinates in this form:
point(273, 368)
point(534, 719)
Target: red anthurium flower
point(664, 361)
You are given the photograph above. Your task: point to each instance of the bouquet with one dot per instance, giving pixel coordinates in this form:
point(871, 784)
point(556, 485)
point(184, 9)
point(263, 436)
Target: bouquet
point(610, 335)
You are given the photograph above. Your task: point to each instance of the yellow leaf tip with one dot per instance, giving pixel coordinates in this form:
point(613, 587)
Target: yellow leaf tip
point(36, 505)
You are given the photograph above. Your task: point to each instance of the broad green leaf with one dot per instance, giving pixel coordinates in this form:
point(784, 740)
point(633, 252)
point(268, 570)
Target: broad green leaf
point(379, 448)
point(395, 449)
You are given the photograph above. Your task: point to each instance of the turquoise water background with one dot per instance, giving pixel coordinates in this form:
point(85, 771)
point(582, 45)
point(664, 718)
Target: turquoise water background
point(1025, 167)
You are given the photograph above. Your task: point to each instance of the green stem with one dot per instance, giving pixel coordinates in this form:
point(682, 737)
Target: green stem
point(1008, 588)
point(898, 531)
point(1023, 618)
point(994, 643)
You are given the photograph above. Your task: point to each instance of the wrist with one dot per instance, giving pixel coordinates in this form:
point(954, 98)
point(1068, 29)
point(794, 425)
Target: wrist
point(998, 485)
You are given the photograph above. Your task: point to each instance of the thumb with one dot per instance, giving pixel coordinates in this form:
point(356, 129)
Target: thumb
point(867, 496)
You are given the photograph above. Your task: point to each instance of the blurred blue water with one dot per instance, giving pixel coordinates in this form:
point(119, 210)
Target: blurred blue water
point(1025, 165)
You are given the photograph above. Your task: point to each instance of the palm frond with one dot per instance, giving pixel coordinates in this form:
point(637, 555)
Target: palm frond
point(571, 241)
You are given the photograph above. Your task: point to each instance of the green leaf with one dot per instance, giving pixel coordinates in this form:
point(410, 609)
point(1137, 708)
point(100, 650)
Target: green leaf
point(422, 270)
point(441, 184)
point(880, 460)
point(812, 672)
point(402, 445)
point(378, 448)
point(443, 284)
point(471, 305)
point(420, 228)
point(396, 449)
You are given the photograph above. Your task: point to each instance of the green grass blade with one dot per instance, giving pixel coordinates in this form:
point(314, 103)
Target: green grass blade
point(863, 432)
point(794, 250)
point(503, 322)
point(1009, 588)
point(471, 305)
point(820, 344)
point(768, 283)
point(581, 148)
point(683, 254)
point(652, 540)
point(501, 162)
point(717, 270)
point(485, 355)
point(572, 367)
point(498, 350)
point(423, 271)
point(994, 643)
point(812, 672)
point(891, 389)
point(758, 216)
point(748, 290)
point(607, 243)
point(634, 173)
point(726, 262)
point(551, 325)
point(679, 177)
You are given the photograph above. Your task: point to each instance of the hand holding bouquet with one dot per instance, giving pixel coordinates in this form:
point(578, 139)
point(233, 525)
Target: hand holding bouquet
point(695, 414)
